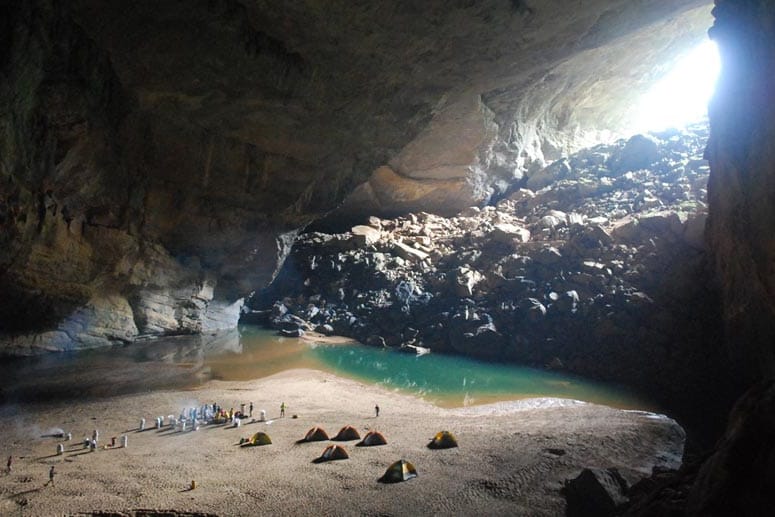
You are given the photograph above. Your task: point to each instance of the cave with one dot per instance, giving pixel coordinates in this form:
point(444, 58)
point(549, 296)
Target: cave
point(474, 178)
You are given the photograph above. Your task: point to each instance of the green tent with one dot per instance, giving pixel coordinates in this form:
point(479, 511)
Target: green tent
point(399, 471)
point(443, 440)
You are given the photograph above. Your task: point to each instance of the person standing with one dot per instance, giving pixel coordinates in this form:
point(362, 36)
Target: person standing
point(376, 410)
point(251, 409)
point(282, 409)
point(51, 474)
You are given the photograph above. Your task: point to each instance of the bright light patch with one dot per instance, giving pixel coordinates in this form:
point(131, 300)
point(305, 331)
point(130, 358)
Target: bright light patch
point(682, 96)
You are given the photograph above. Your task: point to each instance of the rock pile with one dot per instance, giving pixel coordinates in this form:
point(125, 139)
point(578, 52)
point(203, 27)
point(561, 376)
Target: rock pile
point(595, 264)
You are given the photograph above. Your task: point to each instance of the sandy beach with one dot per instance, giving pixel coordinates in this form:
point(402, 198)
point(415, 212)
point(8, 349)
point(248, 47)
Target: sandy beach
point(512, 459)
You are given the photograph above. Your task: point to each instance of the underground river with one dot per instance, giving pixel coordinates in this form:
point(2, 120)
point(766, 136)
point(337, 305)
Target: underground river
point(252, 353)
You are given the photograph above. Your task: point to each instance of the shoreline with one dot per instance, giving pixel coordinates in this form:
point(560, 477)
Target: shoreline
point(502, 445)
point(177, 364)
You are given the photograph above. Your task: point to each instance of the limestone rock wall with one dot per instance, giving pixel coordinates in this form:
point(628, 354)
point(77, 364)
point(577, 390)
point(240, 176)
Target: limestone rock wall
point(105, 237)
point(157, 159)
point(742, 181)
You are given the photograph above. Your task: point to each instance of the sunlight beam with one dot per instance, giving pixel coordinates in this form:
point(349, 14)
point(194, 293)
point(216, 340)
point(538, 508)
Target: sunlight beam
point(681, 97)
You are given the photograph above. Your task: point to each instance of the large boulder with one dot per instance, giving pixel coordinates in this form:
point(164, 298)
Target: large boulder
point(739, 478)
point(595, 492)
point(640, 152)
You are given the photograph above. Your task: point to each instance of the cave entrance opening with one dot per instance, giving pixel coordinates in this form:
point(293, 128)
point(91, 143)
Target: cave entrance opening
point(681, 96)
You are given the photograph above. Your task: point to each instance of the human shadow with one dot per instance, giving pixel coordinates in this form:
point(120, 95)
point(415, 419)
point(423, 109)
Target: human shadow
point(25, 492)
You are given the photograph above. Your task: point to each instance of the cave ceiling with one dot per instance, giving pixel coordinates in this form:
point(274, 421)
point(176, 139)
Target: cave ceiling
point(335, 89)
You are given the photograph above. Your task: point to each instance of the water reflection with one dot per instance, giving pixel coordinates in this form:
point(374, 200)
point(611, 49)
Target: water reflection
point(252, 353)
point(172, 362)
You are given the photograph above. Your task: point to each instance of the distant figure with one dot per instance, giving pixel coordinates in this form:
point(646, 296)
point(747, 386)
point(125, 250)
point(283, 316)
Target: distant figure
point(51, 474)
point(376, 410)
point(95, 436)
point(251, 409)
point(282, 409)
point(9, 464)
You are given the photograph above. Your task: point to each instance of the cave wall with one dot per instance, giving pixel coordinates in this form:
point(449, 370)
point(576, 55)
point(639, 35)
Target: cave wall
point(741, 188)
point(110, 227)
point(157, 158)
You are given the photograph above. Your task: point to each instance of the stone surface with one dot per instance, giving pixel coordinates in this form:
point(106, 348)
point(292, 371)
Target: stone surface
point(595, 492)
point(742, 161)
point(601, 284)
point(167, 156)
point(740, 475)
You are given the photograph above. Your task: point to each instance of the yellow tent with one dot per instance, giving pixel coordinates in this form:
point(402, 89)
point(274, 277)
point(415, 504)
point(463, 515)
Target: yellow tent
point(333, 452)
point(443, 440)
point(260, 438)
point(346, 433)
point(372, 438)
point(399, 471)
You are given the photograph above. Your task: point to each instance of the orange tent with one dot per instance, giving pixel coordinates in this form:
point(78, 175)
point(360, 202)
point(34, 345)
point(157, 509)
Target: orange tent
point(346, 433)
point(333, 452)
point(316, 434)
point(372, 438)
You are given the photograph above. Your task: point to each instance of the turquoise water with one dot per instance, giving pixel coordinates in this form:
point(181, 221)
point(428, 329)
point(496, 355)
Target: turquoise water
point(448, 381)
point(453, 381)
point(254, 353)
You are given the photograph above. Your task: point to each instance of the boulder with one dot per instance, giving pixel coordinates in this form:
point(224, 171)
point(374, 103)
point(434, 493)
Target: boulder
point(694, 231)
point(595, 492)
point(547, 256)
point(365, 235)
point(465, 281)
point(506, 233)
point(639, 152)
point(548, 175)
point(739, 478)
point(324, 329)
point(408, 252)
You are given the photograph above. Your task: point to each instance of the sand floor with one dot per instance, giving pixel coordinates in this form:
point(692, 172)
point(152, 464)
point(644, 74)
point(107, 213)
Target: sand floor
point(512, 459)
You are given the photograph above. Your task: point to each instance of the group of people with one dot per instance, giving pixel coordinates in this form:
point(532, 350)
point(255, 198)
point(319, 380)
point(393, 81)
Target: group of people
point(91, 443)
point(206, 413)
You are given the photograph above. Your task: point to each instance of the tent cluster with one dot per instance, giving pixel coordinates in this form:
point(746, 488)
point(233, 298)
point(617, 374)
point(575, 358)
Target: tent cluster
point(401, 470)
